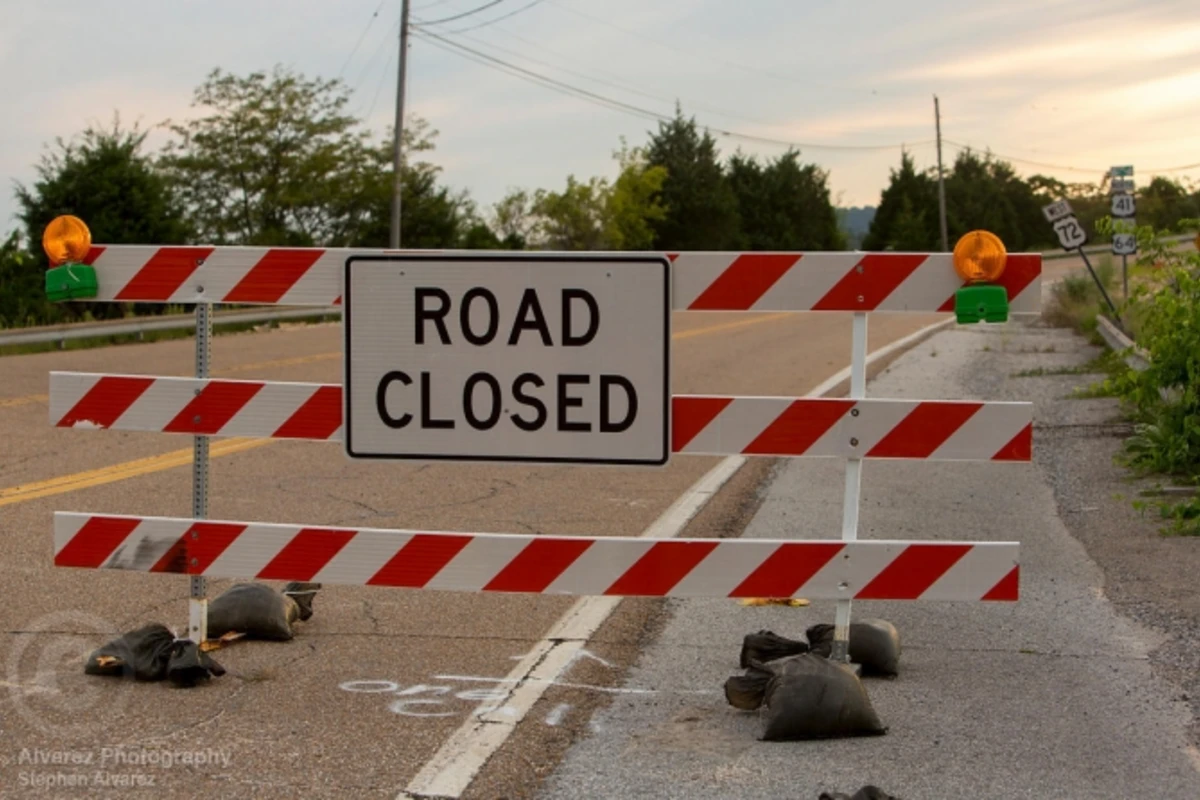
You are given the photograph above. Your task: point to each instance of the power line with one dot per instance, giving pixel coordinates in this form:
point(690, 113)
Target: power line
point(610, 102)
point(612, 84)
point(494, 20)
point(1061, 167)
point(475, 10)
point(387, 68)
point(387, 39)
point(710, 57)
point(358, 44)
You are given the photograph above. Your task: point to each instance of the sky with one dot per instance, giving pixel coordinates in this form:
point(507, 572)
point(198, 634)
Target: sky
point(1065, 88)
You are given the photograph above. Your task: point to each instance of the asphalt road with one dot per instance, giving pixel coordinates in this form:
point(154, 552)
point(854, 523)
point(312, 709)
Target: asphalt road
point(305, 716)
point(361, 701)
point(1057, 696)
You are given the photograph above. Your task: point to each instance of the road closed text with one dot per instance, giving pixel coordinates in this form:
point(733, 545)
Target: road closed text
point(569, 402)
point(492, 364)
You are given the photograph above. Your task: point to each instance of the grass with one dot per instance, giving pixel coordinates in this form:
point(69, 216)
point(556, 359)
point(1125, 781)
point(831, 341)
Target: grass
point(1076, 301)
point(1107, 363)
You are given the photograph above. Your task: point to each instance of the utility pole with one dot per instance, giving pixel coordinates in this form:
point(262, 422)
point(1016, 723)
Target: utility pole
point(937, 116)
point(398, 156)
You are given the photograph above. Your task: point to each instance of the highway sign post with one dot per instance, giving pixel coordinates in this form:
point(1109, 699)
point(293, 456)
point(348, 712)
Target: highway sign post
point(554, 357)
point(1124, 207)
point(1071, 236)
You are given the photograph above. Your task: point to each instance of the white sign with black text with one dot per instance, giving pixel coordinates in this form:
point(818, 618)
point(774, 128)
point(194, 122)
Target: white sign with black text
point(529, 357)
point(1070, 233)
point(1124, 244)
point(1056, 210)
point(1123, 205)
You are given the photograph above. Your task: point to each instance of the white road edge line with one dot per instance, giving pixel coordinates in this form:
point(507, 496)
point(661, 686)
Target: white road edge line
point(452, 768)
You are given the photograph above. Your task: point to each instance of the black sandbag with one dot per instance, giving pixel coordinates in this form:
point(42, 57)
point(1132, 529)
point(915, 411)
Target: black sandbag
point(747, 691)
point(767, 646)
point(810, 697)
point(303, 595)
point(867, 792)
point(189, 664)
point(253, 609)
point(141, 654)
point(874, 645)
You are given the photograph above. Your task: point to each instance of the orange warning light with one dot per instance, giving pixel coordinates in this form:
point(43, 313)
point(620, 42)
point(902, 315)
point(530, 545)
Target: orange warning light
point(979, 256)
point(65, 239)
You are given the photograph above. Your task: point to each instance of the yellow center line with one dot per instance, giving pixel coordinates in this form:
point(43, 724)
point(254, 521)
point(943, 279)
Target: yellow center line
point(119, 472)
point(12, 402)
point(726, 326)
point(225, 447)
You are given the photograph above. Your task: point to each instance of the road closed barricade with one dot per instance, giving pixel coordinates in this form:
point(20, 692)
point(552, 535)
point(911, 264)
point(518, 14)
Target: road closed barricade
point(552, 358)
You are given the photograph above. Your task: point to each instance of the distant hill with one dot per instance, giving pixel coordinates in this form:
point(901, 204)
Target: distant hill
point(856, 222)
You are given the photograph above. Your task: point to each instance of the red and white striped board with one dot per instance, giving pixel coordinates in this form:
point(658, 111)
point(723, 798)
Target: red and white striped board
point(703, 281)
point(489, 562)
point(701, 425)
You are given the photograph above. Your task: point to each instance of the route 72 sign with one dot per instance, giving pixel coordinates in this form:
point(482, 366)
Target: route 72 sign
point(533, 357)
point(1057, 210)
point(1070, 233)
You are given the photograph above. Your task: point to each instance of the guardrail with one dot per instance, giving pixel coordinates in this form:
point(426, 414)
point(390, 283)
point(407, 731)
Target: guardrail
point(143, 325)
point(1115, 338)
point(1107, 248)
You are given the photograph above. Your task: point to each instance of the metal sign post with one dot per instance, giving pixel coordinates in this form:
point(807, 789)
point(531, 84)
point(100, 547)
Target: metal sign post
point(1071, 236)
point(1124, 206)
point(198, 604)
point(858, 391)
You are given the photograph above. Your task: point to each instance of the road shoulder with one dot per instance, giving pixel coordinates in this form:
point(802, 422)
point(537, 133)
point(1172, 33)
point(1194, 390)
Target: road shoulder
point(1064, 694)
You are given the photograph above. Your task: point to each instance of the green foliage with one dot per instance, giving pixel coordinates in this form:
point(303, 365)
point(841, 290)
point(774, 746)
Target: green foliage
point(22, 296)
point(1164, 398)
point(907, 218)
point(270, 161)
point(982, 192)
point(103, 177)
point(634, 205)
point(431, 215)
point(701, 209)
point(784, 205)
point(1075, 301)
point(573, 219)
point(1163, 204)
point(595, 215)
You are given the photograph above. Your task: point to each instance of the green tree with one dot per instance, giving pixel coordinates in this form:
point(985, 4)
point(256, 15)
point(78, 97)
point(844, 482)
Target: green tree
point(103, 177)
point(512, 219)
point(273, 161)
point(701, 209)
point(1163, 203)
point(431, 215)
point(22, 291)
point(573, 219)
point(907, 217)
point(982, 192)
point(634, 206)
point(784, 205)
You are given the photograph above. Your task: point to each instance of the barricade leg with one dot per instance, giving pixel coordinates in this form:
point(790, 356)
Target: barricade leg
point(858, 390)
point(198, 604)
